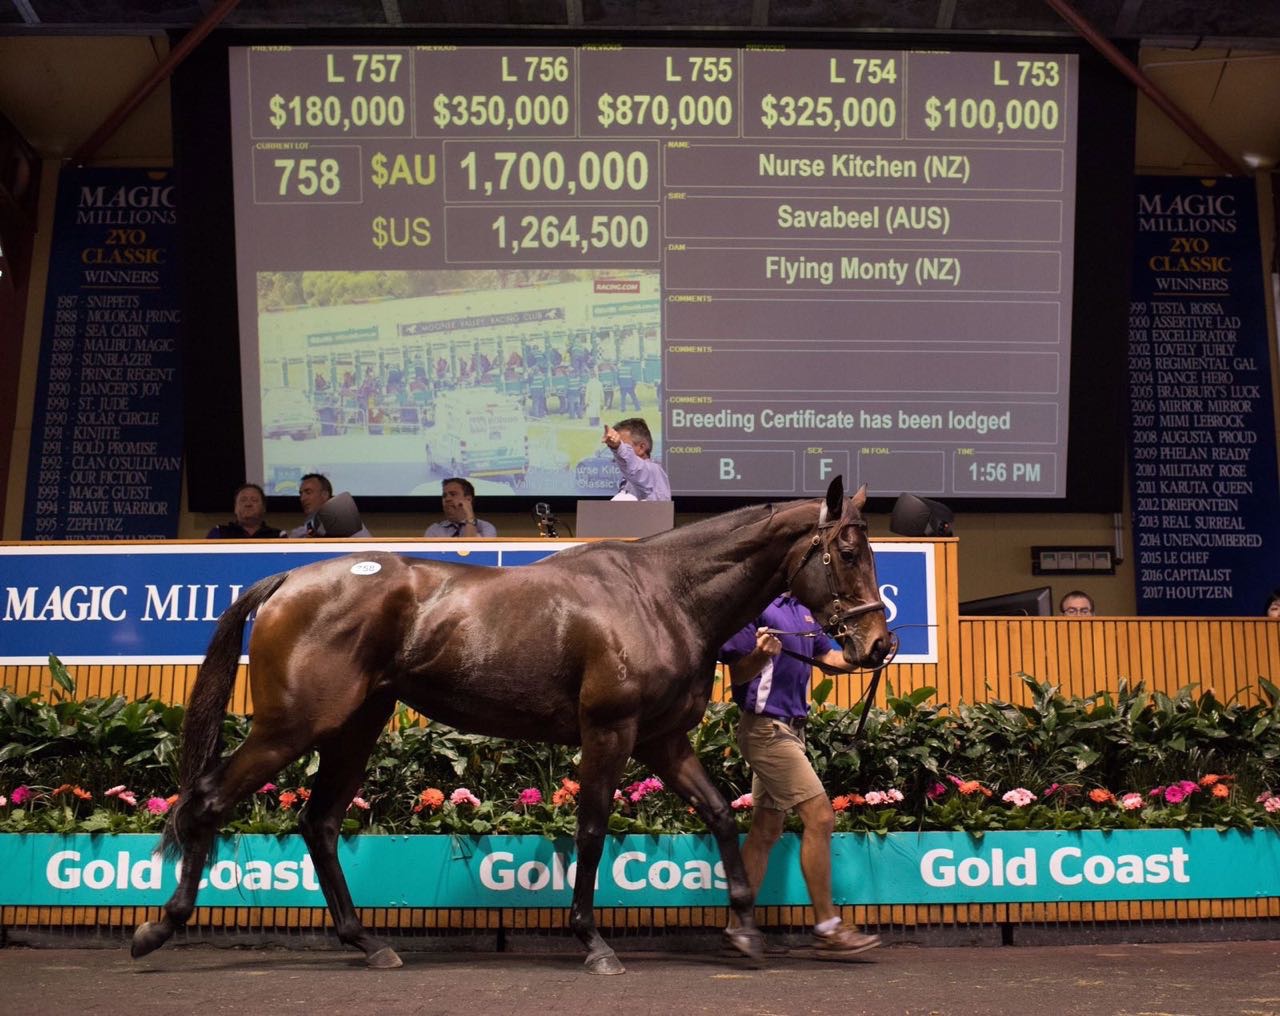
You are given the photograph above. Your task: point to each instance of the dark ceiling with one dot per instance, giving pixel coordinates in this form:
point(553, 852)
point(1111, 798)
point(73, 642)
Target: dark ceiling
point(1246, 24)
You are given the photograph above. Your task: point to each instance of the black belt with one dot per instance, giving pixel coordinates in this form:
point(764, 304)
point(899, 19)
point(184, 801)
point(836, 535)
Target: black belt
point(794, 722)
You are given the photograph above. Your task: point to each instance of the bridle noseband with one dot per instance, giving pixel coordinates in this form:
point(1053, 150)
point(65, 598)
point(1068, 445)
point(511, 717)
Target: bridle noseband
point(837, 625)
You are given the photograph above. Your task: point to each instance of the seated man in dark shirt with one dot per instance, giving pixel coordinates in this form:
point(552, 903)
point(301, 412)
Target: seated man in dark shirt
point(249, 523)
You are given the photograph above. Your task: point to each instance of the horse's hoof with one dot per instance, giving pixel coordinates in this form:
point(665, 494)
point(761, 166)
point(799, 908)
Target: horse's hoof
point(384, 959)
point(747, 941)
point(605, 963)
point(148, 937)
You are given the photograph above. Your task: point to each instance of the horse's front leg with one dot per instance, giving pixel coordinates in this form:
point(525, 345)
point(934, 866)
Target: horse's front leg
point(604, 755)
point(673, 760)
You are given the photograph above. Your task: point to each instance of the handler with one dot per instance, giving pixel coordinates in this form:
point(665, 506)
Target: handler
point(772, 691)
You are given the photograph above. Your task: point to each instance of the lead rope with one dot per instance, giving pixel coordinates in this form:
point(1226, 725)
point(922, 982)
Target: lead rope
point(868, 696)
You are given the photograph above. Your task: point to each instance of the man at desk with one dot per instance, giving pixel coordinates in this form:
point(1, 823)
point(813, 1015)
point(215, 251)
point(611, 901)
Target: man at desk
point(250, 521)
point(642, 478)
point(314, 490)
point(458, 500)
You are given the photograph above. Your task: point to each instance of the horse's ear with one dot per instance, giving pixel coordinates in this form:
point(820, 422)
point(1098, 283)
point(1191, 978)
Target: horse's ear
point(860, 498)
point(835, 498)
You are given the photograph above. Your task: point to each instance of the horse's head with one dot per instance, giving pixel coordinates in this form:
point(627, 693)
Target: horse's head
point(834, 574)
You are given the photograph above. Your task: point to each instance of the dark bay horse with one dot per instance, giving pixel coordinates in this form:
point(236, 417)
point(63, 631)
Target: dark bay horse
point(611, 646)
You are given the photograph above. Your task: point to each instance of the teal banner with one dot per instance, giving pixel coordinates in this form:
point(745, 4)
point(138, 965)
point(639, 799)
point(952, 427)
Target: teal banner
point(649, 871)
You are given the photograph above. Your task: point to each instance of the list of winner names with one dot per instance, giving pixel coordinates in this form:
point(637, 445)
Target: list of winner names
point(112, 362)
point(831, 228)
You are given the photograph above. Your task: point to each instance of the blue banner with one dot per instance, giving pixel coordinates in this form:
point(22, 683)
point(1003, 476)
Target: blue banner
point(1203, 449)
point(159, 603)
point(655, 871)
point(106, 434)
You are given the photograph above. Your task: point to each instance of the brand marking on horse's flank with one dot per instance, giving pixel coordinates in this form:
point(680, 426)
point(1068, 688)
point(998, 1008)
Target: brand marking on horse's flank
point(365, 568)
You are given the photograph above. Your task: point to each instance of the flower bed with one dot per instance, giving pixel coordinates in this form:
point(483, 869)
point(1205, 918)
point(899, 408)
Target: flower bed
point(1122, 760)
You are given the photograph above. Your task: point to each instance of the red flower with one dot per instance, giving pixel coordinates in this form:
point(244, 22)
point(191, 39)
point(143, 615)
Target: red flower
point(429, 798)
point(562, 796)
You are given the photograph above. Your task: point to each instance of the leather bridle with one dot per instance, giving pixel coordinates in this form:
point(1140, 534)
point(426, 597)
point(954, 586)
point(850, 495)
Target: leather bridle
point(837, 624)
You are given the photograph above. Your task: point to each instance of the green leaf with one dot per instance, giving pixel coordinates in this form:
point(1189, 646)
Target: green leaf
point(822, 690)
point(60, 676)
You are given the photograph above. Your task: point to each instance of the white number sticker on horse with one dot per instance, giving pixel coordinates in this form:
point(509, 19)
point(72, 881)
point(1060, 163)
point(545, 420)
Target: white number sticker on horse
point(366, 568)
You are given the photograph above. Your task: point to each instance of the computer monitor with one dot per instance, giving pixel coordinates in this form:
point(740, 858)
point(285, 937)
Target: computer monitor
point(624, 518)
point(1036, 602)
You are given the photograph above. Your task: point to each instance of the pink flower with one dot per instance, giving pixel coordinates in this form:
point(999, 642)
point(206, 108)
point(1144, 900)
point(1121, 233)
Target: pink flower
point(464, 796)
point(1272, 804)
point(1263, 797)
point(1188, 787)
point(641, 789)
point(359, 802)
point(157, 805)
point(1156, 792)
point(1131, 802)
point(1019, 797)
point(266, 788)
point(1174, 794)
point(875, 797)
point(1053, 789)
point(936, 791)
point(124, 794)
point(893, 794)
point(3, 800)
point(739, 803)
point(617, 795)
point(530, 795)
point(21, 795)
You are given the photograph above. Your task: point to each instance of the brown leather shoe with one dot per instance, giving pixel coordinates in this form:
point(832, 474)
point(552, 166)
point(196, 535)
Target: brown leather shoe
point(843, 942)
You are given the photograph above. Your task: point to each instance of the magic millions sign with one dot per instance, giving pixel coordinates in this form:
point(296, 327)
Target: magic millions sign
point(158, 603)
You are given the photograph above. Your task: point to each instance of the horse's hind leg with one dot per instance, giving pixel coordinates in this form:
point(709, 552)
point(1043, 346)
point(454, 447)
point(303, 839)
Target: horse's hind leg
point(673, 760)
point(343, 758)
point(198, 818)
point(604, 754)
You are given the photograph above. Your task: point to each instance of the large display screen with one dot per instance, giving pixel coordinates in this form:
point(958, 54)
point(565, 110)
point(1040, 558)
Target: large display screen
point(793, 263)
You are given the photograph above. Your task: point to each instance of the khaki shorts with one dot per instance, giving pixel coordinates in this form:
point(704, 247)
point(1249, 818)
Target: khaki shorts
point(781, 773)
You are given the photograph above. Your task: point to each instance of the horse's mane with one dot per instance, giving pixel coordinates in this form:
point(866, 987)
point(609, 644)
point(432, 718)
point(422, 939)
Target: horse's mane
point(726, 522)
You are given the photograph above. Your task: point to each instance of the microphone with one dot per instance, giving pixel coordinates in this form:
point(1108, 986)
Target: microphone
point(546, 520)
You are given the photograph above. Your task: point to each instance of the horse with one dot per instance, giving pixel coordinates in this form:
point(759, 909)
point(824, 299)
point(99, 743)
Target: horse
point(611, 646)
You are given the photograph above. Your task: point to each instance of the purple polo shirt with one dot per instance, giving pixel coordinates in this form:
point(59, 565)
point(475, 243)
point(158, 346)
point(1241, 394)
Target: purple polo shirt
point(782, 688)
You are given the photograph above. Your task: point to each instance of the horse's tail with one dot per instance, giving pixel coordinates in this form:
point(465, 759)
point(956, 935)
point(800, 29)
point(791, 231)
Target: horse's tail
point(207, 708)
